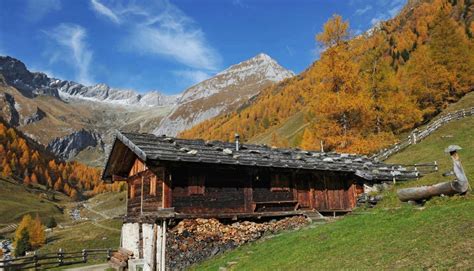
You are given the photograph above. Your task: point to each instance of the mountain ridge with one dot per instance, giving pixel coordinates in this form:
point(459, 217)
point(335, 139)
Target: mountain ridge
point(35, 103)
point(224, 92)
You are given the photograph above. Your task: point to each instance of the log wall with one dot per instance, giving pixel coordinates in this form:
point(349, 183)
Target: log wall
point(199, 190)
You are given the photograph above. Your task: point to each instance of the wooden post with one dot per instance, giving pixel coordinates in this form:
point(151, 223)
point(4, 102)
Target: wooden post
point(109, 254)
point(155, 233)
point(61, 256)
point(248, 193)
point(84, 256)
point(35, 259)
point(141, 199)
point(163, 247)
point(166, 195)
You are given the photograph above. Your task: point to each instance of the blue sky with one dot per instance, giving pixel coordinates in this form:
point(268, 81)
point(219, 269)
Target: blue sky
point(170, 45)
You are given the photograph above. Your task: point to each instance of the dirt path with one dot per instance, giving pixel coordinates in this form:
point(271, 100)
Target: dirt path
point(104, 227)
point(97, 267)
point(104, 216)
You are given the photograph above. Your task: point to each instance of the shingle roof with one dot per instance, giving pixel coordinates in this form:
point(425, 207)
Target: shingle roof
point(149, 147)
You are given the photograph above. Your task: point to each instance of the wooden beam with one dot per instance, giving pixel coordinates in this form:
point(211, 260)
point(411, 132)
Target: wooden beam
point(167, 192)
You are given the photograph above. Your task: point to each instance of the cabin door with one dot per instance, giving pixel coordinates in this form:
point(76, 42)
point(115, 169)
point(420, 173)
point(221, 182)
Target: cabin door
point(303, 193)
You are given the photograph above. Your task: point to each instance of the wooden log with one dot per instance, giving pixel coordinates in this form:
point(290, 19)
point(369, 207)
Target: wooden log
point(426, 192)
point(125, 251)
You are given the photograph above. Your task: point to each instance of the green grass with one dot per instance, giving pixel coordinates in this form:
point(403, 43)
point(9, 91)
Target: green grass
point(111, 204)
point(459, 132)
point(407, 238)
point(393, 235)
point(17, 200)
point(292, 130)
point(84, 235)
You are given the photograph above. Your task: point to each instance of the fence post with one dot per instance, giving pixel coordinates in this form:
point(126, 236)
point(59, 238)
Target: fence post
point(84, 255)
point(60, 256)
point(109, 254)
point(35, 260)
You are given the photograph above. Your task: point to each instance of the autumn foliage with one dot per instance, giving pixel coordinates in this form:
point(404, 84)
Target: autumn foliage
point(29, 235)
point(365, 90)
point(19, 160)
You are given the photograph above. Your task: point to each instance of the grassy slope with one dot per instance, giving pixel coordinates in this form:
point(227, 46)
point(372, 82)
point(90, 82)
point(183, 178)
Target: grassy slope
point(292, 130)
point(393, 235)
point(17, 200)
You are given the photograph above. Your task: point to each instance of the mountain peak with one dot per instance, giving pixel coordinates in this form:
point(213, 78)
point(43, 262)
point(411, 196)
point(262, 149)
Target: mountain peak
point(263, 56)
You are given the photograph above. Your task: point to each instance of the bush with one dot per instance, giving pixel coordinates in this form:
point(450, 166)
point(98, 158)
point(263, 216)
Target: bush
point(51, 223)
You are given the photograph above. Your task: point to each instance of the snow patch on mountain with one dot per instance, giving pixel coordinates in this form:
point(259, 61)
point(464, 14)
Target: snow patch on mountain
point(262, 66)
point(224, 92)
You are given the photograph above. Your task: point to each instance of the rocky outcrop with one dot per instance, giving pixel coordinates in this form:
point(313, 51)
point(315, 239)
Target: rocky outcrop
point(69, 146)
point(37, 116)
point(30, 84)
point(9, 112)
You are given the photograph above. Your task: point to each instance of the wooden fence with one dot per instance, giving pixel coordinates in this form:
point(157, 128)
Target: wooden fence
point(50, 260)
point(418, 134)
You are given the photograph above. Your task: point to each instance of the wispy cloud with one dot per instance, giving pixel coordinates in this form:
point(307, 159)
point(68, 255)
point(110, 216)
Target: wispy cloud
point(105, 11)
point(161, 29)
point(37, 9)
point(193, 76)
point(363, 10)
point(71, 47)
point(387, 9)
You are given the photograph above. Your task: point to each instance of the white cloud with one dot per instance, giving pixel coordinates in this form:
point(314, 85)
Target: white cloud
point(363, 10)
point(378, 18)
point(159, 28)
point(194, 76)
point(71, 47)
point(37, 9)
point(103, 10)
point(387, 9)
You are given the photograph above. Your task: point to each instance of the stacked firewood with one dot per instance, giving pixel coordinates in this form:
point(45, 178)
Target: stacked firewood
point(194, 240)
point(119, 259)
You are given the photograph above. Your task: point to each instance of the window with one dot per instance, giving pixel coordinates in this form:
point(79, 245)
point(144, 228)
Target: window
point(196, 185)
point(280, 182)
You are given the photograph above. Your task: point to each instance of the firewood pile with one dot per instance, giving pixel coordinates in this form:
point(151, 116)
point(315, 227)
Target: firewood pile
point(194, 240)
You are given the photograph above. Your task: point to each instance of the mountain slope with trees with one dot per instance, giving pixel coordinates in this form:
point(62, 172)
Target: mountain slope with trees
point(23, 160)
point(365, 90)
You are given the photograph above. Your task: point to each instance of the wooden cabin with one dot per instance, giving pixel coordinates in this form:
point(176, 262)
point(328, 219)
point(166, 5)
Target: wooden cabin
point(179, 178)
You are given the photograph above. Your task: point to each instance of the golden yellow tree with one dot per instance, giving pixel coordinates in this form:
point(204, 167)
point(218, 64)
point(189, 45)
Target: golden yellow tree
point(37, 233)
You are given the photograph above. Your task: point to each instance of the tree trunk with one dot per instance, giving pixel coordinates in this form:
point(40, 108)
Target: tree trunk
point(426, 192)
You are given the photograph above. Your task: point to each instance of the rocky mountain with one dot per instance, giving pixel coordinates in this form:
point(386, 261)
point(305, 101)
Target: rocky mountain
point(222, 93)
point(104, 93)
point(32, 84)
point(69, 146)
point(77, 122)
point(29, 84)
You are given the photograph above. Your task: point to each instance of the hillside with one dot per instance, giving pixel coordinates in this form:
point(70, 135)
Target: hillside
point(365, 90)
point(17, 200)
point(392, 236)
point(26, 163)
